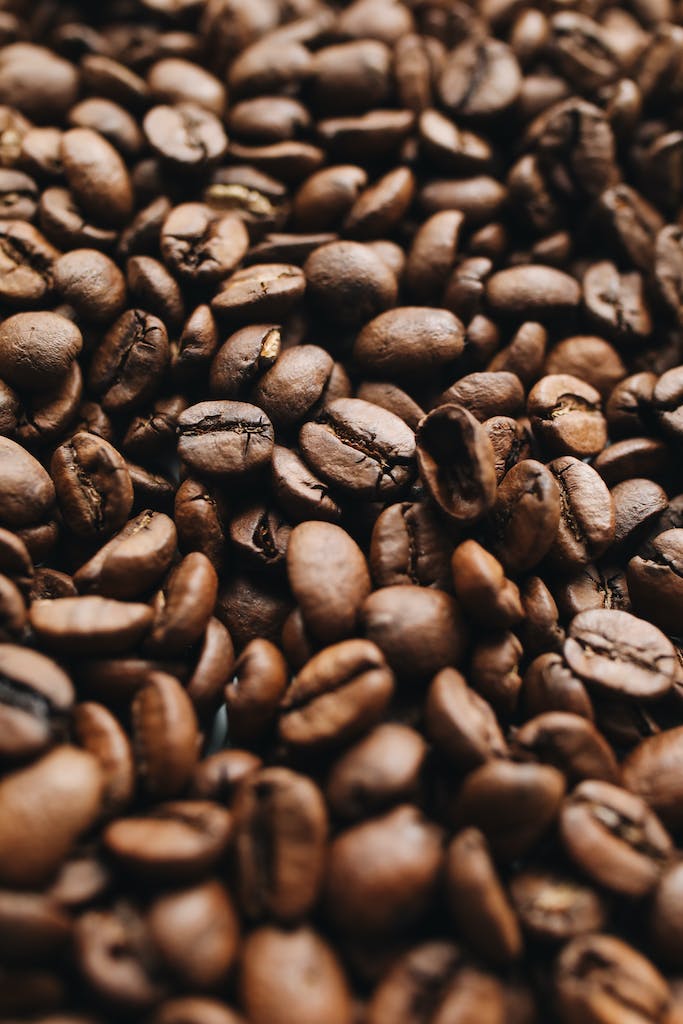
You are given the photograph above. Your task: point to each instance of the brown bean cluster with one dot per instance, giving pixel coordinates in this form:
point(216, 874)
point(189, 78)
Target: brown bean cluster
point(341, 512)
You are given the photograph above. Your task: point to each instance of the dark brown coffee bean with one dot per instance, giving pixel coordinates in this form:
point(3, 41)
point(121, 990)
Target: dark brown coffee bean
point(526, 515)
point(409, 341)
point(433, 981)
point(617, 651)
point(152, 286)
point(632, 224)
point(511, 441)
point(651, 771)
point(569, 742)
point(281, 834)
point(186, 135)
point(587, 514)
point(380, 207)
point(195, 347)
point(361, 448)
point(455, 459)
point(533, 291)
point(37, 349)
point(295, 970)
point(655, 581)
point(409, 545)
point(340, 692)
point(185, 605)
point(37, 82)
point(45, 808)
point(461, 723)
point(512, 804)
point(602, 977)
point(591, 359)
point(565, 412)
point(27, 261)
point(481, 78)
point(349, 283)
point(452, 149)
point(89, 625)
point(419, 629)
point(291, 390)
point(329, 578)
point(99, 732)
point(133, 561)
point(384, 768)
point(245, 355)
point(299, 492)
point(111, 949)
point(97, 177)
point(165, 735)
point(110, 120)
point(91, 283)
point(628, 406)
point(200, 517)
point(556, 908)
point(36, 697)
point(614, 837)
point(351, 76)
point(549, 685)
point(665, 916)
point(253, 694)
point(224, 438)
point(478, 902)
point(482, 589)
point(259, 294)
point(381, 874)
point(487, 394)
point(196, 933)
point(127, 365)
point(93, 486)
point(200, 245)
point(173, 80)
point(636, 503)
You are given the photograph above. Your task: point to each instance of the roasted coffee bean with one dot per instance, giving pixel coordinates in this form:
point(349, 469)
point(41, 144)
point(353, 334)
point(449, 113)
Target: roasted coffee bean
point(456, 462)
point(651, 771)
point(478, 902)
point(535, 291)
point(348, 282)
point(93, 486)
point(656, 583)
point(281, 834)
point(224, 438)
point(556, 908)
point(329, 579)
point(165, 735)
point(133, 561)
point(299, 492)
point(110, 120)
point(201, 246)
point(481, 587)
point(184, 606)
point(45, 808)
point(127, 365)
point(409, 341)
point(512, 804)
point(617, 651)
point(258, 294)
point(587, 514)
point(92, 283)
point(565, 413)
point(570, 743)
point(37, 81)
point(600, 976)
point(111, 953)
point(174, 842)
point(409, 545)
point(290, 970)
point(526, 515)
point(154, 288)
point(420, 630)
point(27, 261)
point(36, 698)
point(360, 448)
point(200, 515)
point(37, 349)
point(99, 732)
point(435, 981)
point(292, 388)
point(97, 176)
point(194, 1010)
point(614, 837)
point(253, 694)
point(186, 135)
point(340, 692)
point(89, 625)
point(381, 874)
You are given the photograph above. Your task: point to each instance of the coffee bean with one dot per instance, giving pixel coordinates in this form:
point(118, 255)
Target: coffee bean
point(410, 546)
point(126, 367)
point(224, 438)
point(27, 261)
point(481, 587)
point(455, 459)
point(478, 902)
point(45, 809)
point(536, 291)
point(97, 176)
point(614, 837)
point(617, 651)
point(296, 385)
point(266, 292)
point(301, 494)
point(165, 735)
point(201, 246)
point(383, 768)
point(565, 413)
point(295, 970)
point(37, 81)
point(569, 742)
point(194, 1010)
point(134, 559)
point(512, 804)
point(110, 120)
point(587, 514)
point(420, 630)
point(253, 694)
point(602, 976)
point(655, 583)
point(400, 853)
point(340, 692)
point(349, 282)
point(481, 78)
point(401, 343)
point(37, 349)
point(89, 625)
point(112, 958)
point(91, 283)
point(188, 136)
point(556, 908)
point(175, 842)
point(27, 494)
point(93, 486)
point(36, 697)
point(651, 771)
point(281, 832)
point(359, 447)
point(99, 732)
point(525, 517)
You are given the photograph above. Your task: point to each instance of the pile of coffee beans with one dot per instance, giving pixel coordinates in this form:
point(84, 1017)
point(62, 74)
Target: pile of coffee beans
point(341, 512)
